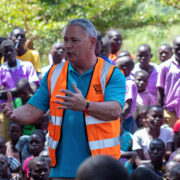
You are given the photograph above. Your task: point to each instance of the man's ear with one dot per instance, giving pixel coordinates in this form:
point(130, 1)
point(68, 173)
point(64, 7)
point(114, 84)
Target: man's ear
point(151, 55)
point(93, 42)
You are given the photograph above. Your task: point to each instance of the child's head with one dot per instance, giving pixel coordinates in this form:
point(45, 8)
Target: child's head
point(101, 168)
point(143, 173)
point(176, 157)
point(155, 116)
point(45, 155)
point(144, 55)
point(141, 116)
point(38, 169)
point(36, 142)
point(157, 150)
point(2, 145)
point(106, 47)
point(176, 46)
point(15, 131)
point(9, 52)
point(175, 173)
point(141, 80)
point(24, 89)
point(98, 44)
point(176, 130)
point(115, 38)
point(169, 166)
point(58, 52)
point(43, 122)
point(126, 64)
point(165, 52)
point(123, 53)
point(4, 167)
point(18, 36)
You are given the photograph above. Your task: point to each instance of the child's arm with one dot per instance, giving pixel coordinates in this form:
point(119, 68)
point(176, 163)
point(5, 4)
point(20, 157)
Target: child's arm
point(127, 108)
point(128, 154)
point(160, 96)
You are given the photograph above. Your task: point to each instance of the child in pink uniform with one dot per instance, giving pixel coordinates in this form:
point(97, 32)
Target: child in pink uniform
point(169, 85)
point(126, 64)
point(144, 56)
point(144, 98)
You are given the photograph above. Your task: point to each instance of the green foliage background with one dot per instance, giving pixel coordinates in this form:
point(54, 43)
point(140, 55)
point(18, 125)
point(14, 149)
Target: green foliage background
point(140, 21)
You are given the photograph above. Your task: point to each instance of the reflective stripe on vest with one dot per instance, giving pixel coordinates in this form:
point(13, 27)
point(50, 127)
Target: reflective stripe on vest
point(92, 120)
point(105, 143)
point(51, 143)
point(56, 120)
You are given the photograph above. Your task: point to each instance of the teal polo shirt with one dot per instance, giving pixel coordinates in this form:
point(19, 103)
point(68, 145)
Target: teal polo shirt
point(73, 148)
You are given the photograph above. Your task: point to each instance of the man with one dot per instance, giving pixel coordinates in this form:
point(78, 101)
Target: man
point(85, 103)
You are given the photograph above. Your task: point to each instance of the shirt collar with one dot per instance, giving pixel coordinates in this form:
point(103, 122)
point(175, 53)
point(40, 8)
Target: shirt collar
point(5, 65)
point(174, 61)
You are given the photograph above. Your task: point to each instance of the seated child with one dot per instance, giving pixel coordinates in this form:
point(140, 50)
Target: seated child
point(156, 152)
point(127, 155)
point(165, 52)
point(4, 168)
point(169, 166)
point(143, 137)
point(140, 116)
point(143, 173)
point(13, 162)
point(15, 131)
point(175, 173)
point(24, 92)
point(35, 146)
point(38, 169)
point(176, 130)
point(101, 168)
point(126, 64)
point(143, 96)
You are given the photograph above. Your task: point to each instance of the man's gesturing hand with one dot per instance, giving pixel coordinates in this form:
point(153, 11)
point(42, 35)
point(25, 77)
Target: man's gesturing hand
point(8, 108)
point(74, 101)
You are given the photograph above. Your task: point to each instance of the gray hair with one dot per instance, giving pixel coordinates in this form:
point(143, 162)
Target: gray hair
point(86, 25)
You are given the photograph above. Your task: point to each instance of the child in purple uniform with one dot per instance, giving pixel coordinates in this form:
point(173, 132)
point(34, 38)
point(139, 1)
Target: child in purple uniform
point(126, 64)
point(13, 69)
point(168, 84)
point(144, 98)
point(144, 56)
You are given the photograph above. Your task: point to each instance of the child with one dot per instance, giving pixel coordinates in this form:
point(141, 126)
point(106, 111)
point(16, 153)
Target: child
point(144, 56)
point(127, 155)
point(169, 166)
point(156, 152)
point(35, 146)
point(165, 52)
point(106, 50)
point(140, 116)
point(13, 69)
point(25, 92)
point(175, 173)
point(38, 169)
point(101, 168)
point(13, 162)
point(143, 97)
point(57, 55)
point(143, 173)
point(115, 38)
point(143, 137)
point(4, 168)
point(168, 85)
point(15, 131)
point(126, 64)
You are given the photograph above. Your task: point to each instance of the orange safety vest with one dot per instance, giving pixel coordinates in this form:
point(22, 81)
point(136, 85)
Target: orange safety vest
point(102, 136)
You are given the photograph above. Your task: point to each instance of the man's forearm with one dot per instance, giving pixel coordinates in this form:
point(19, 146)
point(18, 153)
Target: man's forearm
point(27, 114)
point(105, 111)
point(161, 96)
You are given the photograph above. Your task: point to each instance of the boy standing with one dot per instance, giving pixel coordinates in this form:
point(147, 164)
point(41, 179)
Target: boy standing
point(168, 85)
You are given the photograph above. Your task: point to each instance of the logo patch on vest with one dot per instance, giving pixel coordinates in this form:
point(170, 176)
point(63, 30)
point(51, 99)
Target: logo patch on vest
point(97, 88)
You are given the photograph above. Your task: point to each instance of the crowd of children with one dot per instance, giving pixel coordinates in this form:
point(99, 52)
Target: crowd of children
point(150, 129)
